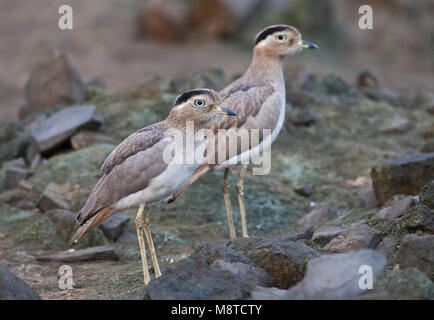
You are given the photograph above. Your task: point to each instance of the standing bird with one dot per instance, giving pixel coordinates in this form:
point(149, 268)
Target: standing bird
point(259, 100)
point(146, 167)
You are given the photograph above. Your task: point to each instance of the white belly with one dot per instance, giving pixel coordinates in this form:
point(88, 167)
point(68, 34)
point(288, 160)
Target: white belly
point(162, 186)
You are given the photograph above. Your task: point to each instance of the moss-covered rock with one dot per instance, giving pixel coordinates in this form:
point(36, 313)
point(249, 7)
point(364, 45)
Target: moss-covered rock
point(78, 171)
point(14, 141)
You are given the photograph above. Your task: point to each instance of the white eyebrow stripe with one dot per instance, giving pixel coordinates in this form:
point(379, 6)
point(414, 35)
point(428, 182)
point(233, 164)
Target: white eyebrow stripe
point(182, 105)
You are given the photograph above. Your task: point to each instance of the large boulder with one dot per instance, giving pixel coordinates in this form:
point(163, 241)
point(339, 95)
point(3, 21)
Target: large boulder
point(331, 277)
point(283, 259)
point(212, 272)
point(402, 176)
point(13, 288)
point(53, 81)
point(337, 276)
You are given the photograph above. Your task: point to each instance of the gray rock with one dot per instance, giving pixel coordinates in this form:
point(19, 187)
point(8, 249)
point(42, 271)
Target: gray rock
point(320, 214)
point(51, 199)
point(335, 86)
point(366, 79)
point(357, 236)
point(397, 209)
point(15, 175)
point(25, 185)
point(427, 195)
point(37, 160)
point(419, 217)
point(208, 252)
point(94, 253)
point(325, 234)
point(284, 260)
point(396, 126)
point(402, 176)
point(259, 275)
point(113, 226)
point(86, 138)
point(386, 95)
point(57, 129)
point(189, 280)
point(388, 247)
point(53, 81)
point(263, 293)
point(405, 284)
point(417, 251)
point(305, 191)
point(336, 276)
point(13, 288)
point(127, 237)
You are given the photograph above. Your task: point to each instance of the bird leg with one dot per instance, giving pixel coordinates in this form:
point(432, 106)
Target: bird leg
point(139, 227)
point(148, 235)
point(240, 194)
point(226, 196)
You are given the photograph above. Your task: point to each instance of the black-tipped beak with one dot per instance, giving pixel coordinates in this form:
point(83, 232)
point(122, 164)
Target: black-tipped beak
point(308, 45)
point(226, 111)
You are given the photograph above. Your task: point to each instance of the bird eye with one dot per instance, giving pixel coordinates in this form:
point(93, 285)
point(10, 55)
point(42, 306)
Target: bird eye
point(199, 103)
point(280, 38)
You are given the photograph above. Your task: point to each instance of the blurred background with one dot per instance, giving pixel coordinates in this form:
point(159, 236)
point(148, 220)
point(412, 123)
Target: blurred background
point(352, 168)
point(123, 43)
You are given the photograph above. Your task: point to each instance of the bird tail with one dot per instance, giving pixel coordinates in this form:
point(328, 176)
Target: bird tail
point(91, 223)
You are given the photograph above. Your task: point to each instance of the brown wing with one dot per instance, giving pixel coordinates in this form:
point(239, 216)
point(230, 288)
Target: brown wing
point(128, 169)
point(255, 104)
point(246, 98)
point(138, 141)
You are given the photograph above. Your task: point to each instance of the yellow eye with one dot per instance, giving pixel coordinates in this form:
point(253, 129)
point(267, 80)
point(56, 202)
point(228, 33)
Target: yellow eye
point(280, 38)
point(199, 103)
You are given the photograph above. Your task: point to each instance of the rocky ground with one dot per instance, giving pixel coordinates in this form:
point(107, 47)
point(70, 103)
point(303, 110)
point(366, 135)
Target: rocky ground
point(351, 184)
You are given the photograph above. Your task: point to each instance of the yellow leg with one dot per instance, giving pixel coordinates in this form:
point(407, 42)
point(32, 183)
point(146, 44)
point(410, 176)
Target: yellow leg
point(226, 196)
point(139, 228)
point(240, 194)
point(148, 235)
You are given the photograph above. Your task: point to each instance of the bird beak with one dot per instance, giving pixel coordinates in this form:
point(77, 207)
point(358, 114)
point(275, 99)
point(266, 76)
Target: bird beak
point(308, 45)
point(226, 111)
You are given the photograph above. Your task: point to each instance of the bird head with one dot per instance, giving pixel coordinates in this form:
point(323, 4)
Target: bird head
point(281, 40)
point(199, 105)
